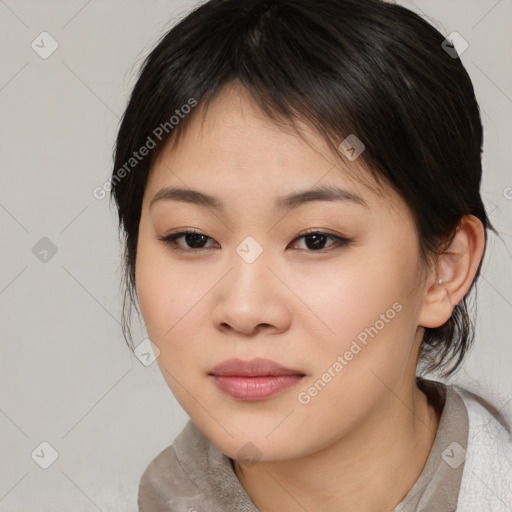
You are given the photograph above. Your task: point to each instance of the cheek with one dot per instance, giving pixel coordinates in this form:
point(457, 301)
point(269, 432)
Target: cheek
point(368, 318)
point(172, 303)
point(352, 296)
point(166, 300)
point(160, 304)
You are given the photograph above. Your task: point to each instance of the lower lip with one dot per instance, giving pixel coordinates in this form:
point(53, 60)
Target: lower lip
point(255, 388)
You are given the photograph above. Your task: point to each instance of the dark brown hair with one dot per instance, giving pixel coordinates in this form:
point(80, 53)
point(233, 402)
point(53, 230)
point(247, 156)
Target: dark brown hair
point(363, 67)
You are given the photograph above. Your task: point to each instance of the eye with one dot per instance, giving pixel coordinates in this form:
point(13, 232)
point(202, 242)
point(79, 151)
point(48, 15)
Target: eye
point(195, 240)
point(315, 240)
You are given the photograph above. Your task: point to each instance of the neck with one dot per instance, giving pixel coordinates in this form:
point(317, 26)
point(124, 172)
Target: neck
point(372, 468)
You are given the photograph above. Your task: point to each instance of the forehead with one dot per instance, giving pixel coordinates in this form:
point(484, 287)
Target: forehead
point(235, 129)
point(235, 149)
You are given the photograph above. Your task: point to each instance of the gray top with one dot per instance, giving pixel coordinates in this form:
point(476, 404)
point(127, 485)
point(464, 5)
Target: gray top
point(437, 487)
point(192, 475)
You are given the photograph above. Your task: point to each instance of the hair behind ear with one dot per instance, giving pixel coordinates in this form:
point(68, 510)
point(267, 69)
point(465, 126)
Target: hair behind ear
point(444, 348)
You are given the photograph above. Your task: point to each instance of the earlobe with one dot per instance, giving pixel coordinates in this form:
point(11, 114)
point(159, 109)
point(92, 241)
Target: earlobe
point(453, 274)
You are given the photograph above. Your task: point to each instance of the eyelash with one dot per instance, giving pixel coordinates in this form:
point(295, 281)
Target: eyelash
point(170, 240)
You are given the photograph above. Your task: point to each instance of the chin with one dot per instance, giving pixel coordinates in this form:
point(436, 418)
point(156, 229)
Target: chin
point(246, 439)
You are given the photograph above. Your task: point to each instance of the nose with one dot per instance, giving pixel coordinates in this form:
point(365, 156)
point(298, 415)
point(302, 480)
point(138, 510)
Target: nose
point(252, 299)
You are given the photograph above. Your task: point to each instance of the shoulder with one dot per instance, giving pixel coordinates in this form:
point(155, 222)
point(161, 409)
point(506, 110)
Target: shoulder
point(487, 476)
point(192, 475)
point(164, 485)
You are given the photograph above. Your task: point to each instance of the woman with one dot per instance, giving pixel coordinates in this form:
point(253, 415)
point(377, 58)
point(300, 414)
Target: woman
point(299, 194)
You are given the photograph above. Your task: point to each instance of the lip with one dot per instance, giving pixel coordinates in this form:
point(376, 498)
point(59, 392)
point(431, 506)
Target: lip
point(255, 379)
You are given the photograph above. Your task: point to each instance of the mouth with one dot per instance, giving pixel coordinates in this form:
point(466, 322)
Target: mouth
point(253, 380)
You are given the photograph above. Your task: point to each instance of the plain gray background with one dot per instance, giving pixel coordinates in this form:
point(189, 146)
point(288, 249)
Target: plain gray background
point(67, 377)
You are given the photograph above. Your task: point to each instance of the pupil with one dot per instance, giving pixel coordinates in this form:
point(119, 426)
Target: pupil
point(196, 239)
point(317, 243)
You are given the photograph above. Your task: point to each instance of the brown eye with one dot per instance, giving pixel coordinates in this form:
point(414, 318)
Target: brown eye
point(315, 241)
point(194, 240)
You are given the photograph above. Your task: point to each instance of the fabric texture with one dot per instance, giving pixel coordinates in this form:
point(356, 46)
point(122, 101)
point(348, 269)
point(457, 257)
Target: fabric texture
point(470, 464)
point(487, 479)
point(437, 487)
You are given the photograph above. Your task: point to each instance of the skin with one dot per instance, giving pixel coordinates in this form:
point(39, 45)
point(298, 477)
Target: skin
point(362, 441)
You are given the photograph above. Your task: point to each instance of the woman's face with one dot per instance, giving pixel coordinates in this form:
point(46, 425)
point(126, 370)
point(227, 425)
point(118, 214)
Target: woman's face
point(342, 316)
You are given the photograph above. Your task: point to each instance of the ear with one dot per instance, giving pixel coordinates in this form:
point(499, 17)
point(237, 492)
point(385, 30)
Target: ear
point(448, 282)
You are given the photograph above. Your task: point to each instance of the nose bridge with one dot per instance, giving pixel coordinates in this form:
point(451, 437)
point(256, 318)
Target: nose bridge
point(250, 273)
point(251, 294)
point(250, 250)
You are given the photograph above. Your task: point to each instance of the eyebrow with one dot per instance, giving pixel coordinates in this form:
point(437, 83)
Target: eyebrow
point(288, 202)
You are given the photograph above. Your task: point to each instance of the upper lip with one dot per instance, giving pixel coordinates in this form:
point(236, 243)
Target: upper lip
point(258, 367)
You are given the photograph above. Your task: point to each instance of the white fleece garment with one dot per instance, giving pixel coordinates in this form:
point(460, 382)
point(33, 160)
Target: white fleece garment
point(487, 478)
